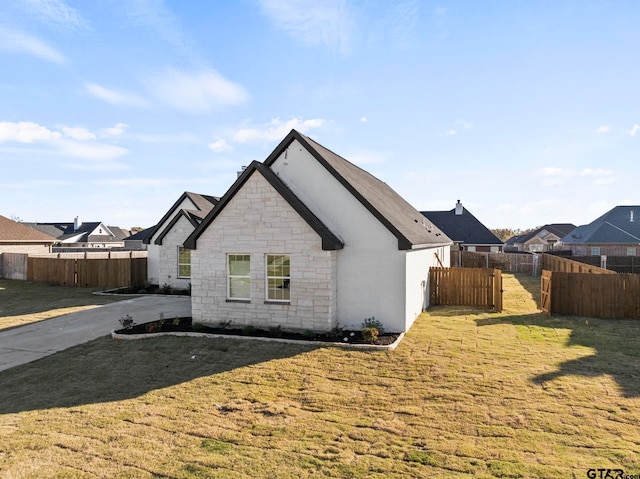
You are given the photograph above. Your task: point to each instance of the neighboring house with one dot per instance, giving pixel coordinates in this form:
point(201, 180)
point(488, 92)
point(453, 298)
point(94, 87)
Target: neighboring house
point(92, 234)
point(17, 238)
point(168, 261)
point(136, 241)
point(616, 233)
point(467, 233)
point(308, 241)
point(545, 238)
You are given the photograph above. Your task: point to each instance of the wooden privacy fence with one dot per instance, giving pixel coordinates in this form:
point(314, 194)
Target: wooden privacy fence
point(591, 295)
point(88, 273)
point(479, 287)
point(506, 262)
point(563, 265)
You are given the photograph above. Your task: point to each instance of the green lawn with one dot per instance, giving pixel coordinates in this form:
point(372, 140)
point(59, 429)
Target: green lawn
point(22, 303)
point(466, 394)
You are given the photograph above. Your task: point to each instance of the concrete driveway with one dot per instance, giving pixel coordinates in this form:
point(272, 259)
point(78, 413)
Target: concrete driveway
point(36, 340)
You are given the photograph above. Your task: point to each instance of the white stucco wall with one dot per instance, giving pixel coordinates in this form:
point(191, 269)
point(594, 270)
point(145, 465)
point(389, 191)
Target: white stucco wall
point(418, 263)
point(258, 221)
point(371, 269)
point(154, 250)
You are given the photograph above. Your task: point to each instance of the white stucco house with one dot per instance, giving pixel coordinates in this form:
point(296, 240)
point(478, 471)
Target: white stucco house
point(168, 262)
point(307, 240)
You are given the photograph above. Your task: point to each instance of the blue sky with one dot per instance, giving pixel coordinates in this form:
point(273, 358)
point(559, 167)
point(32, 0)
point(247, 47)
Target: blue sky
point(528, 112)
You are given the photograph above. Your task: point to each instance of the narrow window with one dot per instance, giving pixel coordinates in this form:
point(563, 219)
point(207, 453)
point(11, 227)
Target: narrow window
point(278, 277)
point(239, 279)
point(184, 262)
point(595, 251)
point(631, 251)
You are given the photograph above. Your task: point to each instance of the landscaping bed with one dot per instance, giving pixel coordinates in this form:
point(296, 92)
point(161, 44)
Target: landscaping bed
point(185, 325)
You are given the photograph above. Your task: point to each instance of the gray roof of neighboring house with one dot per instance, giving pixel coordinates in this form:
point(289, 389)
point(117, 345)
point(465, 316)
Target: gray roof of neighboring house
point(13, 231)
point(63, 231)
point(140, 235)
point(329, 240)
point(464, 228)
point(558, 229)
point(621, 225)
point(393, 211)
point(203, 203)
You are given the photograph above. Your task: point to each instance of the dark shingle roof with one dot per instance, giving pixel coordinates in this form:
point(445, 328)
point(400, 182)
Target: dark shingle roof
point(203, 203)
point(615, 227)
point(12, 231)
point(140, 235)
point(393, 211)
point(329, 240)
point(464, 228)
point(558, 229)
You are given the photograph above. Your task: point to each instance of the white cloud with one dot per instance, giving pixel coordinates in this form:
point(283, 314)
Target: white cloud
point(554, 176)
point(26, 132)
point(55, 13)
point(329, 22)
point(55, 143)
point(77, 133)
point(451, 133)
point(195, 92)
point(219, 146)
point(465, 124)
point(90, 151)
point(101, 166)
point(634, 130)
point(276, 130)
point(364, 119)
point(15, 41)
point(604, 129)
point(114, 97)
point(114, 131)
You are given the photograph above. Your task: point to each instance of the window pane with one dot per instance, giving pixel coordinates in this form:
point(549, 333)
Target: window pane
point(279, 289)
point(239, 287)
point(239, 265)
point(184, 270)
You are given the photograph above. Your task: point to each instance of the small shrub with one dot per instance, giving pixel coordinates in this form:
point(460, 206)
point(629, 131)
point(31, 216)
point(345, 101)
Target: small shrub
point(276, 331)
point(165, 288)
point(370, 334)
point(337, 331)
point(309, 334)
point(176, 321)
point(151, 327)
point(126, 322)
point(248, 329)
point(224, 324)
point(372, 322)
point(197, 326)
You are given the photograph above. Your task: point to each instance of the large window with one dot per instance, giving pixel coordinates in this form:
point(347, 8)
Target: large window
point(239, 276)
point(278, 278)
point(184, 262)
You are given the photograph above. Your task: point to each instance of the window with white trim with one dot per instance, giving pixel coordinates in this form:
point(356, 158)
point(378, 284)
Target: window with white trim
point(239, 276)
point(278, 277)
point(631, 251)
point(595, 251)
point(184, 262)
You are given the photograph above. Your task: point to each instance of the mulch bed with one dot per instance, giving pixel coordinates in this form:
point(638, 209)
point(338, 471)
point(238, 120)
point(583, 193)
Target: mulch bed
point(185, 325)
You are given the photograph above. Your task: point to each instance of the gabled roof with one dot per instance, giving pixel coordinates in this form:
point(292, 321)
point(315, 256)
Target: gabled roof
point(399, 217)
point(203, 203)
point(329, 240)
point(464, 228)
point(615, 227)
point(140, 235)
point(66, 231)
point(558, 229)
point(14, 232)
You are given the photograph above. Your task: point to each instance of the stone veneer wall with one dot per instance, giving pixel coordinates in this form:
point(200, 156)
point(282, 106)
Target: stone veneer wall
point(168, 255)
point(258, 221)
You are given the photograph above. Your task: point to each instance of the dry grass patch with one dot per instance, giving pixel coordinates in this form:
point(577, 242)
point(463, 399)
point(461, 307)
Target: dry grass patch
point(23, 303)
point(466, 394)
